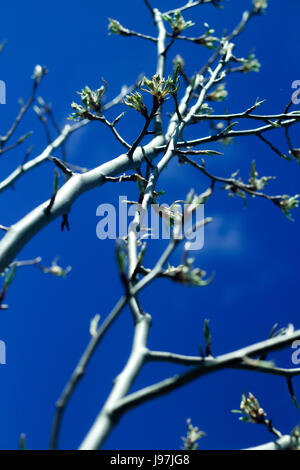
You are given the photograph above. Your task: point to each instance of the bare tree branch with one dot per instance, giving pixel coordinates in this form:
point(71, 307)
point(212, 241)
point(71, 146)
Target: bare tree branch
point(207, 366)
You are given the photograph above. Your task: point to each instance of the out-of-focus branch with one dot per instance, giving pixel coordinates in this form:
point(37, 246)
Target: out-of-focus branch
point(147, 3)
point(16, 144)
point(191, 4)
point(105, 421)
point(29, 262)
point(285, 442)
point(24, 108)
point(80, 369)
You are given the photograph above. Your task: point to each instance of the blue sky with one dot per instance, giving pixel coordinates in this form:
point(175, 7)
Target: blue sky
point(254, 251)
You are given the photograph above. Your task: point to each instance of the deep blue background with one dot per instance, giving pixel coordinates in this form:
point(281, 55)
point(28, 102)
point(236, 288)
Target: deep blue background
point(254, 251)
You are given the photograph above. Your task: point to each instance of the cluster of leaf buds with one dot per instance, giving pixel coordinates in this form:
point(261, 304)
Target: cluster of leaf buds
point(173, 215)
point(251, 64)
point(256, 183)
point(233, 189)
point(287, 203)
point(295, 435)
point(192, 436)
point(193, 200)
point(55, 269)
point(116, 28)
point(177, 22)
point(135, 101)
point(251, 409)
point(91, 101)
point(207, 39)
point(259, 6)
point(187, 275)
point(159, 87)
point(219, 94)
point(205, 109)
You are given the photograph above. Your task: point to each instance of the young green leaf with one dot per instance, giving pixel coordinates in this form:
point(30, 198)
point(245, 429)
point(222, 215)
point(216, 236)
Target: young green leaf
point(10, 276)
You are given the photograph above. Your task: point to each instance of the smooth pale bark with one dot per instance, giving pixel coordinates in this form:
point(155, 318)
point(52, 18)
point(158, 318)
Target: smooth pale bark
point(19, 234)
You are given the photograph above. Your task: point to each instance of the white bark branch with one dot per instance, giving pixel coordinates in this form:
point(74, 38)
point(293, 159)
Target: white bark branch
point(25, 229)
point(285, 442)
point(207, 366)
point(106, 420)
point(44, 156)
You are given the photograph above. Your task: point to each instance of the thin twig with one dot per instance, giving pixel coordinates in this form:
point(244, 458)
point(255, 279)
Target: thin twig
point(233, 134)
point(232, 182)
point(147, 3)
point(23, 110)
point(145, 129)
point(275, 149)
point(93, 117)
